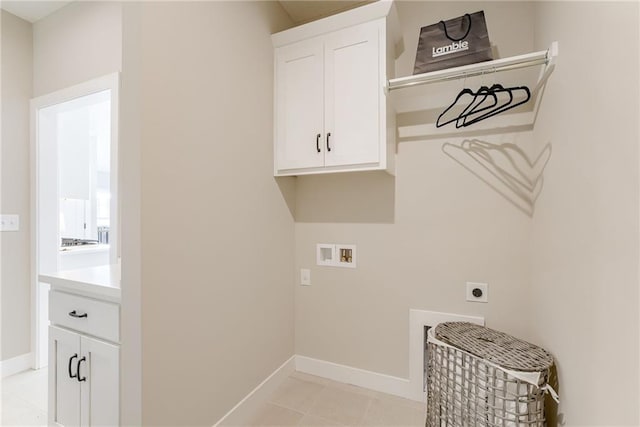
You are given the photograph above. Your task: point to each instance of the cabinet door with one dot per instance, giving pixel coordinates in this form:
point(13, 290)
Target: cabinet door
point(299, 106)
point(64, 388)
point(353, 93)
point(100, 396)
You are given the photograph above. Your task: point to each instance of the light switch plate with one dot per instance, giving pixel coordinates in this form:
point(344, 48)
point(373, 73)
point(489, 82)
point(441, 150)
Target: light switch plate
point(9, 222)
point(305, 277)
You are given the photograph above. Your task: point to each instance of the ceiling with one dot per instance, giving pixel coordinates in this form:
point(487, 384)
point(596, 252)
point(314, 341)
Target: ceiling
point(32, 11)
point(300, 11)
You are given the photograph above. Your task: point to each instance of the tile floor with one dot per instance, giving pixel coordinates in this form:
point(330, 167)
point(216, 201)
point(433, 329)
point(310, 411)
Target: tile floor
point(306, 400)
point(24, 399)
point(301, 400)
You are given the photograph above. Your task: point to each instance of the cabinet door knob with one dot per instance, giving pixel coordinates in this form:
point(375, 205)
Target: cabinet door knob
point(318, 142)
point(328, 147)
point(70, 362)
point(74, 314)
point(78, 370)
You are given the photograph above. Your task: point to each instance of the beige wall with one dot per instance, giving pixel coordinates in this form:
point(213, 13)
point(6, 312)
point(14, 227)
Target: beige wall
point(217, 237)
point(16, 92)
point(217, 234)
point(130, 226)
point(585, 231)
point(76, 43)
point(79, 42)
point(419, 236)
point(565, 277)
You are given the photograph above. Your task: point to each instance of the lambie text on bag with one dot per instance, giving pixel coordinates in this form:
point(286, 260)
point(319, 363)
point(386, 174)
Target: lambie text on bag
point(451, 48)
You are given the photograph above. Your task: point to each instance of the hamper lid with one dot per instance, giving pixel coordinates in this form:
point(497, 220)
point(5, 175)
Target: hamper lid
point(497, 347)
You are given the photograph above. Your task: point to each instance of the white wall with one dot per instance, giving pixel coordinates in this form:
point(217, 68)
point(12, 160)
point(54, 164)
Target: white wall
point(216, 242)
point(419, 236)
point(79, 42)
point(16, 91)
point(585, 230)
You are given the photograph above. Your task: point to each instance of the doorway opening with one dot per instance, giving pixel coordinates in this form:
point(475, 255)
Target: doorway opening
point(74, 189)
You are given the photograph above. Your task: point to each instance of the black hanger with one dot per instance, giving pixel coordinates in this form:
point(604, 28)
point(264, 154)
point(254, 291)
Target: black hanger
point(505, 107)
point(473, 106)
point(465, 91)
point(496, 89)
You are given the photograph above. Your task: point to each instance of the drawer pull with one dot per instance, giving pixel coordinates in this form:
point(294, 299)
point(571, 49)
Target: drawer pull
point(71, 361)
point(78, 370)
point(74, 314)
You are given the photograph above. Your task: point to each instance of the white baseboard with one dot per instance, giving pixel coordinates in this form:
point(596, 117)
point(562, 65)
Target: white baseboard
point(411, 388)
point(239, 415)
point(16, 364)
point(356, 376)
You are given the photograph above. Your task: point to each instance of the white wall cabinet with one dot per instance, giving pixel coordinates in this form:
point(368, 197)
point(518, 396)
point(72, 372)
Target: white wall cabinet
point(331, 111)
point(84, 367)
point(354, 91)
point(300, 106)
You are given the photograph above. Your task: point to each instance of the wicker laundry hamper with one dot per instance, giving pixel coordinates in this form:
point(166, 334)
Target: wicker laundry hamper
point(477, 376)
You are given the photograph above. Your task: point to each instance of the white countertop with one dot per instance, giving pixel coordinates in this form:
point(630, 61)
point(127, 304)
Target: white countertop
point(84, 249)
point(102, 281)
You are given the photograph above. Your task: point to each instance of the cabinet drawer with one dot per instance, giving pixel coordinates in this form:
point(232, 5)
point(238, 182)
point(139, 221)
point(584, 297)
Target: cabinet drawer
point(102, 318)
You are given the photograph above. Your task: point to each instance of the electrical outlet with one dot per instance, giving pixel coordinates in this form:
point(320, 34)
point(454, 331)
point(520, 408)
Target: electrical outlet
point(305, 277)
point(477, 292)
point(9, 223)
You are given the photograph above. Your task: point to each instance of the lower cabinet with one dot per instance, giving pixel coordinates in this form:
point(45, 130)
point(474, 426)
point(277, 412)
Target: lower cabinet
point(83, 380)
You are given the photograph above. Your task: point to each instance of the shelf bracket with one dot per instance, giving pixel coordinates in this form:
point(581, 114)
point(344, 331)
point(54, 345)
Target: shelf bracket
point(552, 54)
